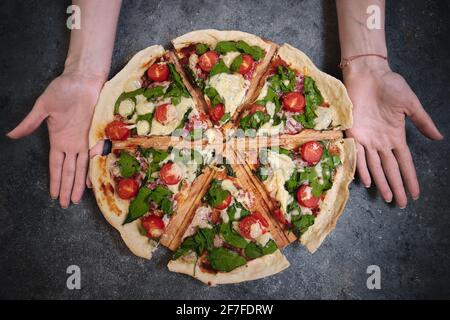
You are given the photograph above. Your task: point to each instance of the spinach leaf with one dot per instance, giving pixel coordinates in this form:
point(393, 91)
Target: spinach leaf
point(127, 95)
point(292, 183)
point(219, 67)
point(262, 173)
point(159, 194)
point(236, 63)
point(225, 260)
point(216, 195)
point(301, 223)
point(225, 117)
point(202, 240)
point(147, 117)
point(254, 121)
point(201, 48)
point(185, 119)
point(223, 47)
point(255, 51)
point(166, 206)
point(213, 96)
point(175, 76)
point(128, 164)
point(154, 92)
point(254, 250)
point(139, 205)
point(231, 236)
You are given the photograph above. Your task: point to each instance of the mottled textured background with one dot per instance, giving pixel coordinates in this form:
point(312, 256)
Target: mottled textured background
point(38, 239)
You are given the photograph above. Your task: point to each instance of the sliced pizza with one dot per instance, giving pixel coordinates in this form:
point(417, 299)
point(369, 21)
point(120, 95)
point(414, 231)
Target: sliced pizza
point(307, 185)
point(295, 96)
point(224, 68)
point(141, 190)
point(228, 239)
point(148, 97)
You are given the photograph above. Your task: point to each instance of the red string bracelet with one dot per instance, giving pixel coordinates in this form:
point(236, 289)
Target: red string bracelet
point(346, 61)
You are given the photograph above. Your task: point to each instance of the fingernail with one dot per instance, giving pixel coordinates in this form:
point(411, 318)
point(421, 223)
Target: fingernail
point(53, 197)
point(402, 207)
point(64, 207)
point(367, 186)
point(415, 198)
point(388, 200)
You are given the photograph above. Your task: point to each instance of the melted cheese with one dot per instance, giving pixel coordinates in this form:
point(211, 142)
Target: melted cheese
point(263, 92)
point(200, 220)
point(324, 118)
point(144, 107)
point(275, 185)
point(126, 108)
point(228, 185)
point(143, 127)
point(255, 230)
point(232, 88)
point(166, 129)
point(229, 57)
point(281, 162)
point(267, 129)
point(263, 239)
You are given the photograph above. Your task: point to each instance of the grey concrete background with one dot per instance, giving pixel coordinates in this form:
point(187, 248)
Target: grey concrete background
point(39, 240)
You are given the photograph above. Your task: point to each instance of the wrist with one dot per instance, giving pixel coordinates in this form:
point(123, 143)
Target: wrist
point(364, 64)
point(86, 67)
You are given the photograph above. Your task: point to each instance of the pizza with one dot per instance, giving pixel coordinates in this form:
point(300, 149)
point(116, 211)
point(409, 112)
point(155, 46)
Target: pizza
point(225, 150)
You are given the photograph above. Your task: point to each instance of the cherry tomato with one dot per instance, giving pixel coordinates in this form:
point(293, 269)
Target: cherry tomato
point(256, 107)
point(245, 226)
point(127, 188)
point(170, 174)
point(117, 130)
point(217, 112)
point(305, 197)
point(334, 151)
point(294, 102)
point(279, 215)
point(225, 203)
point(158, 72)
point(258, 216)
point(247, 64)
point(161, 113)
point(208, 60)
point(311, 151)
point(154, 226)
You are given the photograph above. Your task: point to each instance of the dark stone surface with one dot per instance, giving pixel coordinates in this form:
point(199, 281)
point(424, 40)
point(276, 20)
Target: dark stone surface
point(38, 239)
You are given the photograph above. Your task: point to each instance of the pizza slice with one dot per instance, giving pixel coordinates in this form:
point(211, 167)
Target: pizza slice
point(295, 96)
point(141, 190)
point(224, 68)
point(148, 97)
point(229, 238)
point(306, 185)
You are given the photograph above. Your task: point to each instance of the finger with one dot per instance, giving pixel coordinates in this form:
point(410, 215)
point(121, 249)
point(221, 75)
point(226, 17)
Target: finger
point(68, 176)
point(361, 166)
point(408, 170)
point(376, 171)
point(88, 181)
point(31, 122)
point(80, 177)
point(56, 160)
point(392, 172)
point(423, 121)
point(97, 149)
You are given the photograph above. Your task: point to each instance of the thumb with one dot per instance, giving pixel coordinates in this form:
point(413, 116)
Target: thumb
point(30, 123)
point(423, 122)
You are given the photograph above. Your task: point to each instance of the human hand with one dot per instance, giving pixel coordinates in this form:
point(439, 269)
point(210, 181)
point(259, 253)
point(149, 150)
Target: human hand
point(381, 100)
point(67, 104)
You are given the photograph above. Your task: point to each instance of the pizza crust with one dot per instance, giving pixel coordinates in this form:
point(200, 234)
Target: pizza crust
point(332, 90)
point(115, 209)
point(112, 89)
point(255, 269)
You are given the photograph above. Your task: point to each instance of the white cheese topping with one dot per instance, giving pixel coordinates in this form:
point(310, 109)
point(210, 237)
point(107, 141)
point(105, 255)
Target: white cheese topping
point(324, 118)
point(193, 60)
point(145, 107)
point(275, 185)
point(200, 220)
point(263, 239)
point(224, 216)
point(228, 185)
point(263, 92)
point(281, 162)
point(168, 128)
point(126, 107)
point(143, 127)
point(132, 84)
point(255, 230)
point(268, 129)
point(232, 88)
point(270, 107)
point(229, 57)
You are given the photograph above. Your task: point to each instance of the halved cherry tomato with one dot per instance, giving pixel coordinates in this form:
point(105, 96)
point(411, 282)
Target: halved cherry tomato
point(217, 112)
point(154, 226)
point(261, 219)
point(208, 60)
point(127, 188)
point(117, 130)
point(334, 151)
point(161, 113)
point(305, 197)
point(169, 173)
point(247, 64)
point(225, 203)
point(245, 226)
point(294, 102)
point(256, 107)
point(311, 151)
point(158, 72)
point(279, 215)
